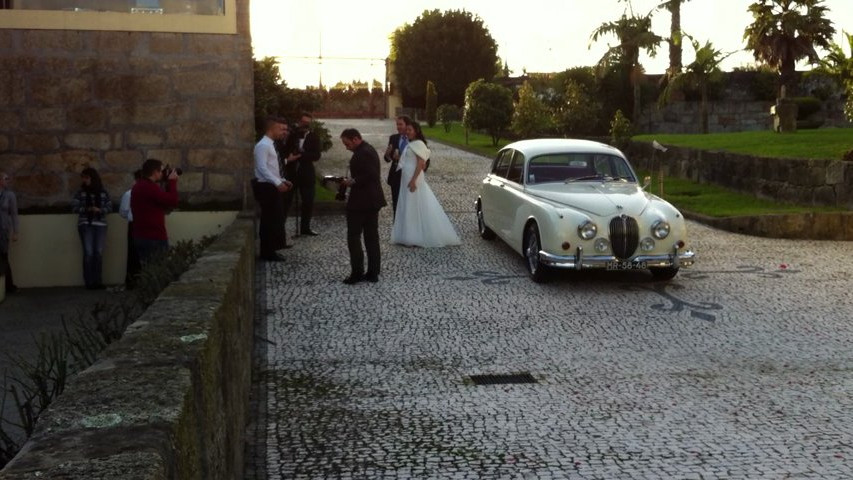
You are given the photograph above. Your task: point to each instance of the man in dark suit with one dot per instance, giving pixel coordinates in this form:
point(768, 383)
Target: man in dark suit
point(307, 144)
point(396, 144)
point(365, 199)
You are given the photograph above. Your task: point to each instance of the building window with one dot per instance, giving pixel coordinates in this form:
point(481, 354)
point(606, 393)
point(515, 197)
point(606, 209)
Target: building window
point(183, 16)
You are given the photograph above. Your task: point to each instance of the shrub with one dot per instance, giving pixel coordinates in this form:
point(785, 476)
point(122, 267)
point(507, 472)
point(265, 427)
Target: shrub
point(488, 107)
point(431, 101)
point(531, 116)
point(447, 114)
point(620, 130)
point(579, 112)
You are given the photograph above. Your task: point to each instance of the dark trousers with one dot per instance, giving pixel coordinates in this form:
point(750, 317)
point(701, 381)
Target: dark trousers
point(7, 271)
point(93, 238)
point(148, 249)
point(133, 266)
point(271, 231)
point(394, 182)
point(304, 185)
point(366, 223)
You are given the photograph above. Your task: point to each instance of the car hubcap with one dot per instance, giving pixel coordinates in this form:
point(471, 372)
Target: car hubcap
point(533, 252)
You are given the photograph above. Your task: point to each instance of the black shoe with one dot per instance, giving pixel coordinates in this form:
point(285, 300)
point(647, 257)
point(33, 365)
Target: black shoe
point(12, 289)
point(272, 258)
point(371, 277)
point(309, 232)
point(286, 247)
point(353, 279)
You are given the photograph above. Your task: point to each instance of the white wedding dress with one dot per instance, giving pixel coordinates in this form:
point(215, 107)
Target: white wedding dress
point(420, 220)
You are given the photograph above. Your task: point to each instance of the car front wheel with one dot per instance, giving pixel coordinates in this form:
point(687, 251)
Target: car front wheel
point(664, 273)
point(537, 271)
point(485, 232)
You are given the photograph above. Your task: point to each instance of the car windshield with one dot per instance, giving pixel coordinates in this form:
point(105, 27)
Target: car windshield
point(578, 167)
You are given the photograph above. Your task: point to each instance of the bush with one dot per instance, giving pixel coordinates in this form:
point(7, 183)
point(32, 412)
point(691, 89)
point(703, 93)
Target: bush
point(620, 130)
point(447, 114)
point(488, 107)
point(579, 113)
point(531, 116)
point(431, 101)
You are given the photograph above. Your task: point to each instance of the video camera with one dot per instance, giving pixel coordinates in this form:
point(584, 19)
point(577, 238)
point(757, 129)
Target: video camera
point(167, 170)
point(342, 188)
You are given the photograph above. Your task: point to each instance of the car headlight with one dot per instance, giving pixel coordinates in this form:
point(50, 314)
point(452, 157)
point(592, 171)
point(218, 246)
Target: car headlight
point(647, 244)
point(660, 229)
point(601, 245)
point(587, 230)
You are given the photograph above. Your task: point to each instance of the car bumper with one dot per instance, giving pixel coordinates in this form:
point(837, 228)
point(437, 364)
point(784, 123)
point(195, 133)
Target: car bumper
point(678, 258)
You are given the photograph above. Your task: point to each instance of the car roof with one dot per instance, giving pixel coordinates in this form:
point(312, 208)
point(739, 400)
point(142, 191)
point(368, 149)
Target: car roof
point(539, 146)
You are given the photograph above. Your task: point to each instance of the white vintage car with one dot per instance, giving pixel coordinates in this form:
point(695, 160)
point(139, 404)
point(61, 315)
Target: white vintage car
point(576, 204)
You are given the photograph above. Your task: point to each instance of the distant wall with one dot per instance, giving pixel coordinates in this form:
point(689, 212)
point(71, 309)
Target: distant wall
point(808, 182)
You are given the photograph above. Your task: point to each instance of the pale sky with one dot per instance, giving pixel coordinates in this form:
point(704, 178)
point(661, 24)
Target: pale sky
point(536, 35)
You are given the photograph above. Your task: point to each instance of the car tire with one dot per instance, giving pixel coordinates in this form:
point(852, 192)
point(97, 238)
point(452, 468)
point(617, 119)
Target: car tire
point(486, 233)
point(537, 271)
point(664, 273)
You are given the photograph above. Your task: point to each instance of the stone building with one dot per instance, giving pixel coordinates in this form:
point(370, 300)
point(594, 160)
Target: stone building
point(120, 81)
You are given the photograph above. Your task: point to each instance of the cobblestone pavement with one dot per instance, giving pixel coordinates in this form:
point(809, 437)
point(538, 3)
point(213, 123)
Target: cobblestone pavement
point(738, 368)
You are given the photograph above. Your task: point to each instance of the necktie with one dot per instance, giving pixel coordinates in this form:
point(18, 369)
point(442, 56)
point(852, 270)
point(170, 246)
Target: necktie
point(403, 142)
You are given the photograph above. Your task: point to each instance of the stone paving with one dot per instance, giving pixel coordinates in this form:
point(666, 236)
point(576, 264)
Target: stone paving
point(739, 368)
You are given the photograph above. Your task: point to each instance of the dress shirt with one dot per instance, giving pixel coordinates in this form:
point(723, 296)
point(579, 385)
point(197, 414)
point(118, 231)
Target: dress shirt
point(266, 162)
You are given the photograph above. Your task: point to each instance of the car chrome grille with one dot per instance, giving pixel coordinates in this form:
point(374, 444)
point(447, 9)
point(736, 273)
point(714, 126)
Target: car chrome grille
point(624, 236)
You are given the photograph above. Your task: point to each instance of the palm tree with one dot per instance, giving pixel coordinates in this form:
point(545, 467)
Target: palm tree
point(698, 74)
point(785, 31)
point(634, 34)
point(675, 34)
point(839, 63)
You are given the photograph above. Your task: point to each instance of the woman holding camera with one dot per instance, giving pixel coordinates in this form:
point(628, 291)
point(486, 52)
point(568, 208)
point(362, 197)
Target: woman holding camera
point(92, 204)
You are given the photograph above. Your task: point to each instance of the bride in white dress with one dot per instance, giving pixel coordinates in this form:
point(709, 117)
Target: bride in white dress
point(420, 220)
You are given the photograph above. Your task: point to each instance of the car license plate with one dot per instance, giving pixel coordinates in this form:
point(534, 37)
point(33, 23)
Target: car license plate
point(626, 265)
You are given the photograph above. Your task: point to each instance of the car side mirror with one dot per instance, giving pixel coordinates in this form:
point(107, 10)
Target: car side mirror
point(647, 180)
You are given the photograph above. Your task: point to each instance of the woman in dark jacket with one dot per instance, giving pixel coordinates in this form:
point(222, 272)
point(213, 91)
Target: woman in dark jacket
point(92, 204)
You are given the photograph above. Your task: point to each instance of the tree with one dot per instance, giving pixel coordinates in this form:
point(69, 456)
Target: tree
point(531, 116)
point(431, 103)
point(452, 49)
point(698, 74)
point(272, 97)
point(579, 112)
point(675, 34)
point(488, 107)
point(447, 114)
point(634, 34)
point(786, 31)
point(839, 63)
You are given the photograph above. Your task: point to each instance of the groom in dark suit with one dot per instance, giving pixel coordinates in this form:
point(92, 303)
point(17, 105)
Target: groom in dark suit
point(396, 144)
point(365, 199)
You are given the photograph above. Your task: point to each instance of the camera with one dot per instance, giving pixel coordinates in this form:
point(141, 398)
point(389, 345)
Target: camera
point(342, 188)
point(167, 170)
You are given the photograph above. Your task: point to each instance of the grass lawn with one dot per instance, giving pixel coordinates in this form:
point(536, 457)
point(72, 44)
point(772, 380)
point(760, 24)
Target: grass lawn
point(823, 143)
point(699, 198)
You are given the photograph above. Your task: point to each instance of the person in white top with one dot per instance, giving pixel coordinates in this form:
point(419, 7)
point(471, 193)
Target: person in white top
point(420, 220)
point(133, 265)
point(268, 185)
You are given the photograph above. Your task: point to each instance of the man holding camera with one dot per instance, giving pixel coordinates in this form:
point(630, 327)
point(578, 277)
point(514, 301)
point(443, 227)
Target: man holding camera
point(268, 186)
point(365, 200)
point(149, 204)
point(307, 144)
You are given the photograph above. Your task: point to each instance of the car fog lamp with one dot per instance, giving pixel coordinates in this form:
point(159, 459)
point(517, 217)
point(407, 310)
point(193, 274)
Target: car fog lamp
point(587, 230)
point(660, 229)
point(647, 244)
point(601, 245)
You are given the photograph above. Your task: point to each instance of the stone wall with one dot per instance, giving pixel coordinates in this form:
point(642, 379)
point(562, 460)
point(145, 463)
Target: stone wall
point(808, 182)
point(70, 99)
point(728, 116)
point(170, 399)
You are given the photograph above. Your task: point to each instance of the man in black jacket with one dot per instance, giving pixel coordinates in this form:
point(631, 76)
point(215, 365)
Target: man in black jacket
point(365, 199)
point(307, 144)
point(396, 144)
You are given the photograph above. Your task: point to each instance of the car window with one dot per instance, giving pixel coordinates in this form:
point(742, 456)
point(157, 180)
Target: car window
point(502, 163)
point(560, 167)
point(516, 168)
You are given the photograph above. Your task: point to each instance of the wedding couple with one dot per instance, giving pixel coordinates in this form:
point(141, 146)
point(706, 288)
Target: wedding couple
point(419, 219)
